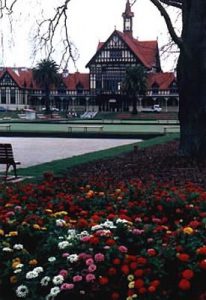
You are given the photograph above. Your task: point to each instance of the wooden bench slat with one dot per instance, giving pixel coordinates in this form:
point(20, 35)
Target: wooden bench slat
point(7, 158)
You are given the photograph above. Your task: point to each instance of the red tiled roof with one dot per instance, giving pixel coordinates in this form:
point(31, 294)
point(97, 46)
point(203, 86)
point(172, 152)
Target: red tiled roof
point(23, 78)
point(145, 51)
point(72, 80)
point(163, 80)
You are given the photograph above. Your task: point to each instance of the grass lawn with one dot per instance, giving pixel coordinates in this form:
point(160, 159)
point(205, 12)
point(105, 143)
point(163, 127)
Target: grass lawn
point(59, 166)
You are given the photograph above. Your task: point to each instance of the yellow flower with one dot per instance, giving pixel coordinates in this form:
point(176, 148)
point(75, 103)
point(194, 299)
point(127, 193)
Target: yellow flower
point(60, 213)
point(13, 233)
point(188, 230)
point(13, 279)
point(131, 285)
point(36, 226)
point(129, 298)
point(1, 232)
point(16, 259)
point(48, 210)
point(130, 277)
point(33, 262)
point(15, 264)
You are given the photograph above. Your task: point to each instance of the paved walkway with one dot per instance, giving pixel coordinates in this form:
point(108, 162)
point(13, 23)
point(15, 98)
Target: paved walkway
point(34, 151)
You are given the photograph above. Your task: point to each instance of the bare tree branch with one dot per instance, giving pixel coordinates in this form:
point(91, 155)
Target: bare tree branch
point(47, 33)
point(174, 3)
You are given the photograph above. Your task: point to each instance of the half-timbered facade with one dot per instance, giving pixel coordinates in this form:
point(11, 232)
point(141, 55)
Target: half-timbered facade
point(100, 88)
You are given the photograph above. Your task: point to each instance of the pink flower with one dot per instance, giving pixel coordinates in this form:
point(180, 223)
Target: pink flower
point(65, 254)
point(89, 261)
point(85, 238)
point(99, 257)
point(123, 249)
point(67, 286)
point(64, 273)
point(92, 268)
point(77, 278)
point(90, 277)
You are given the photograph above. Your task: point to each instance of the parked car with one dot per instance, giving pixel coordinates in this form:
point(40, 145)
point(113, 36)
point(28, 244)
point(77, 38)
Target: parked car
point(154, 108)
point(3, 109)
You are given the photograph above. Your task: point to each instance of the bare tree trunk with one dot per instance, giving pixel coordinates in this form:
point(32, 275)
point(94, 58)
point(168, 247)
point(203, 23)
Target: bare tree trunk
point(192, 80)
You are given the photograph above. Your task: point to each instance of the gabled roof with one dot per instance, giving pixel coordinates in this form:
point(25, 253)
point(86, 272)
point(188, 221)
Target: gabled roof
point(145, 51)
point(23, 78)
point(163, 80)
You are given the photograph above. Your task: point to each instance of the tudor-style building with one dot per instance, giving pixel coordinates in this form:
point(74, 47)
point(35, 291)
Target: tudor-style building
point(100, 89)
point(108, 68)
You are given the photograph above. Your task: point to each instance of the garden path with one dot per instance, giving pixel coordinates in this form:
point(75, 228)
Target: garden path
point(34, 151)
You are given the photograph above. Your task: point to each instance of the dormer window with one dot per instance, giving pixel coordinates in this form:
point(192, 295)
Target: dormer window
point(155, 88)
point(79, 88)
point(173, 88)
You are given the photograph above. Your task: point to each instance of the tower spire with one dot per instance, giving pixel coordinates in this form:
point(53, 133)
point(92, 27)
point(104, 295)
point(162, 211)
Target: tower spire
point(127, 19)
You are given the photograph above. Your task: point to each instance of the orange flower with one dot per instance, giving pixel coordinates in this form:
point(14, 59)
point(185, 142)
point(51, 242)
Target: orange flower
point(33, 262)
point(13, 279)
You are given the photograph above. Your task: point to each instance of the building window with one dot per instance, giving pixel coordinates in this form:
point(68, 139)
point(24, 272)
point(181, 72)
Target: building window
point(3, 96)
point(115, 54)
point(13, 96)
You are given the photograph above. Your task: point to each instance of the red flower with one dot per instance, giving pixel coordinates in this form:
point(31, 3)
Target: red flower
point(139, 283)
point(115, 296)
point(201, 250)
point(151, 252)
point(184, 284)
point(133, 266)
point(94, 240)
point(202, 264)
point(139, 273)
point(125, 269)
point(152, 289)
point(116, 261)
point(112, 271)
point(187, 274)
point(103, 280)
point(183, 257)
point(141, 261)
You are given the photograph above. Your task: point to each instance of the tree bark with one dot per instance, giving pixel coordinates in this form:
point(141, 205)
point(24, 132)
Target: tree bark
point(191, 73)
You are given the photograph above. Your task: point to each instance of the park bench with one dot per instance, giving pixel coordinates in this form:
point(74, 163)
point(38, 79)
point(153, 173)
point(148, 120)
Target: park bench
point(7, 158)
point(85, 127)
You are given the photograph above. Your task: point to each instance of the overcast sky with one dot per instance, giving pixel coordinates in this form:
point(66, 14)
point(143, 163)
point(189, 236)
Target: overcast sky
point(90, 21)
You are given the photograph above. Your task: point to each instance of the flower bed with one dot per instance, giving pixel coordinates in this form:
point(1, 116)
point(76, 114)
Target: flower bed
point(98, 235)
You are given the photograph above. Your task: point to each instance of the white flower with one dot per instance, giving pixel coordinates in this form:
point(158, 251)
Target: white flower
point(17, 271)
point(60, 223)
point(72, 232)
point(51, 259)
point(22, 291)
point(45, 281)
point(63, 245)
point(7, 249)
point(18, 246)
point(72, 258)
point(54, 291)
point(109, 224)
point(31, 275)
point(83, 233)
point(59, 279)
point(38, 269)
point(121, 221)
point(96, 227)
point(19, 266)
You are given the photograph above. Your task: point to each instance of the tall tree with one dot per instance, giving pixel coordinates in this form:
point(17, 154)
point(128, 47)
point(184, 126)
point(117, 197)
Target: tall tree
point(135, 84)
point(46, 75)
point(191, 72)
